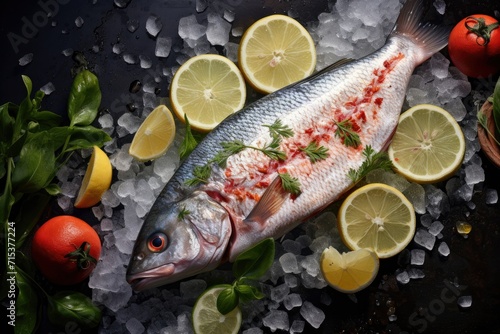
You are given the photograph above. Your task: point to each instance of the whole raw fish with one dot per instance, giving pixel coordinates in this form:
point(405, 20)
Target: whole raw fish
point(192, 229)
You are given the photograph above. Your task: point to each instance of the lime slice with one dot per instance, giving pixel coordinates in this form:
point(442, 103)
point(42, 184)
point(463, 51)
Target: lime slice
point(208, 320)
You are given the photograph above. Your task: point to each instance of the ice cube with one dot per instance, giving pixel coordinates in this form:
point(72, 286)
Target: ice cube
point(424, 239)
point(163, 47)
point(292, 300)
point(443, 249)
point(415, 273)
point(48, 88)
point(122, 3)
point(276, 319)
point(79, 22)
point(440, 6)
point(145, 61)
point(292, 246)
point(153, 25)
point(403, 277)
point(297, 326)
point(201, 5)
point(464, 301)
point(436, 228)
point(189, 28)
point(491, 196)
point(311, 264)
point(289, 263)
point(192, 289)
point(132, 25)
point(439, 65)
point(106, 224)
point(217, 30)
point(313, 315)
point(291, 280)
point(130, 58)
point(106, 121)
point(26, 59)
point(134, 326)
point(67, 52)
point(279, 292)
point(229, 15)
point(129, 122)
point(474, 174)
point(415, 193)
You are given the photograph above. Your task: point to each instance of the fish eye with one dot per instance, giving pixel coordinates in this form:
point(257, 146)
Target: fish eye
point(157, 242)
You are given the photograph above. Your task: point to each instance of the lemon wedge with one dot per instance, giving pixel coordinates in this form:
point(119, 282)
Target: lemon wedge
point(207, 88)
point(428, 145)
point(349, 272)
point(96, 181)
point(276, 51)
point(377, 217)
point(208, 320)
point(154, 136)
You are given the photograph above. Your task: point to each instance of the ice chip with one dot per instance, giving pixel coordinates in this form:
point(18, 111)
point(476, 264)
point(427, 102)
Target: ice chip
point(118, 48)
point(474, 174)
point(491, 196)
point(440, 6)
point(415, 273)
point(292, 246)
point(218, 30)
point(443, 249)
point(201, 5)
point(130, 58)
point(276, 319)
point(132, 25)
point(464, 301)
point(439, 65)
point(292, 300)
point(289, 263)
point(189, 28)
point(297, 326)
point(105, 121)
point(192, 289)
point(163, 47)
point(424, 239)
point(134, 326)
point(48, 88)
point(26, 59)
point(106, 224)
point(67, 52)
point(79, 22)
point(313, 315)
point(129, 122)
point(122, 3)
point(153, 25)
point(436, 228)
point(403, 277)
point(145, 61)
point(415, 193)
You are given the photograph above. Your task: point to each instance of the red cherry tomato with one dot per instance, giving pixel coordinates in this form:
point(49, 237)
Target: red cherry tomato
point(66, 250)
point(474, 46)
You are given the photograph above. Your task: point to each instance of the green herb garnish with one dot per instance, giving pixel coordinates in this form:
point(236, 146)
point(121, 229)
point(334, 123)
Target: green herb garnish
point(183, 213)
point(189, 143)
point(248, 266)
point(315, 152)
point(346, 133)
point(277, 130)
point(200, 175)
point(290, 184)
point(373, 161)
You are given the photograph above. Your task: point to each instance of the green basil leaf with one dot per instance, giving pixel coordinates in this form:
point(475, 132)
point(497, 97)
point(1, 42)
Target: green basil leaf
point(84, 99)
point(46, 119)
point(255, 261)
point(24, 111)
point(248, 292)
point(86, 137)
point(58, 136)
point(227, 300)
point(496, 106)
point(3, 170)
point(26, 304)
point(15, 149)
point(7, 122)
point(53, 189)
point(66, 306)
point(36, 166)
point(30, 210)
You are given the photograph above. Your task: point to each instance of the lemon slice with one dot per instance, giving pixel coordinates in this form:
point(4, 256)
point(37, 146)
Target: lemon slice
point(428, 145)
point(96, 181)
point(154, 136)
point(377, 217)
point(208, 320)
point(349, 272)
point(207, 88)
point(276, 51)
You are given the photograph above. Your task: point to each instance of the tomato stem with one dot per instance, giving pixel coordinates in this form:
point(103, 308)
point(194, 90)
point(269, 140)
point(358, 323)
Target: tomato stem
point(82, 256)
point(478, 26)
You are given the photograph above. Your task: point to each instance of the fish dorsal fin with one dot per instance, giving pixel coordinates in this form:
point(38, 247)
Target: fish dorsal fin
point(270, 203)
point(337, 64)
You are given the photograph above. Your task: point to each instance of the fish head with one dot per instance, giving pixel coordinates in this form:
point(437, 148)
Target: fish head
point(179, 240)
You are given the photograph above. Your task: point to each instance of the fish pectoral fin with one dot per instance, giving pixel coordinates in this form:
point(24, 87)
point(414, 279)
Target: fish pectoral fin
point(270, 203)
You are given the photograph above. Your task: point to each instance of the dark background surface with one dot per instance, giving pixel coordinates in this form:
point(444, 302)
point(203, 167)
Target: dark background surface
point(426, 305)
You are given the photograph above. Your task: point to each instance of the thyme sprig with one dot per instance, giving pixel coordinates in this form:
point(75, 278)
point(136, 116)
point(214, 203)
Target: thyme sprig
point(374, 160)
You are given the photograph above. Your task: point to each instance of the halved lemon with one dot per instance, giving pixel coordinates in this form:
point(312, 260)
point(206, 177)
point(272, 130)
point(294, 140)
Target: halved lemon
point(208, 320)
point(276, 51)
point(207, 88)
point(428, 145)
point(377, 217)
point(349, 272)
point(154, 136)
point(96, 181)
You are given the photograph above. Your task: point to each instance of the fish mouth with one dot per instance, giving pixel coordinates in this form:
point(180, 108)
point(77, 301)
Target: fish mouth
point(151, 278)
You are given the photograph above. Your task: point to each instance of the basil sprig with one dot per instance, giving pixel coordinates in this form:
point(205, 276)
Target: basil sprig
point(248, 266)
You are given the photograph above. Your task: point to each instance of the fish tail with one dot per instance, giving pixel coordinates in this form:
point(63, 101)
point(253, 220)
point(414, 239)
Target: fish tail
point(428, 37)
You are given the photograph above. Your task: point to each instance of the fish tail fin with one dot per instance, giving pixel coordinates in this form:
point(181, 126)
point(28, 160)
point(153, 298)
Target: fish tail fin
point(429, 37)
